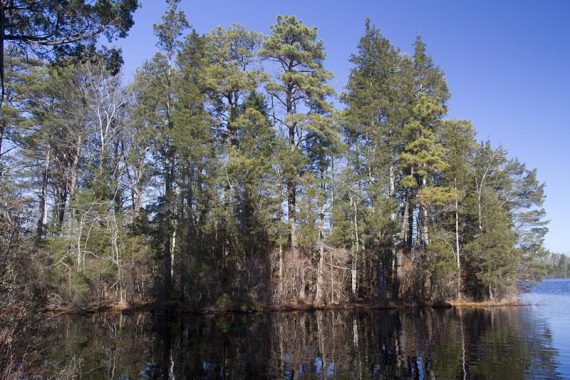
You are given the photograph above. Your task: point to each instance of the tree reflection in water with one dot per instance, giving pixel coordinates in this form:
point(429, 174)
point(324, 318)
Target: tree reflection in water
point(417, 343)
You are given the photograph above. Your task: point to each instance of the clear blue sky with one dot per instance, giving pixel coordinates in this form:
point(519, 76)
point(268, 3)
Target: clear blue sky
point(507, 64)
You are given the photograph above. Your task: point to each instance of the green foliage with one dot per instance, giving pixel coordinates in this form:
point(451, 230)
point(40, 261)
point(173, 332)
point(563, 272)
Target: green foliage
point(215, 181)
point(493, 253)
point(442, 264)
point(56, 29)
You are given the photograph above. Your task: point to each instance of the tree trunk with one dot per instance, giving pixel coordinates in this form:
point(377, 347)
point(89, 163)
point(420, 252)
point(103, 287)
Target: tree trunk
point(2, 82)
point(291, 209)
point(319, 297)
point(2, 131)
point(356, 250)
point(61, 204)
point(425, 219)
point(392, 189)
point(138, 202)
point(73, 178)
point(410, 233)
point(405, 216)
point(280, 296)
point(319, 294)
point(479, 220)
point(457, 252)
point(168, 253)
point(394, 253)
point(403, 242)
point(480, 189)
point(42, 220)
point(381, 276)
point(280, 258)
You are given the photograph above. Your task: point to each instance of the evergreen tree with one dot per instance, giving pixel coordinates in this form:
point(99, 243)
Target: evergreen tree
point(168, 32)
point(373, 119)
point(59, 29)
point(299, 94)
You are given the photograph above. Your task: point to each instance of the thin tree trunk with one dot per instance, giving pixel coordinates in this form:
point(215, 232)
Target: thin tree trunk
point(138, 192)
point(73, 177)
point(405, 216)
point(42, 220)
point(392, 255)
point(3, 122)
point(320, 266)
point(280, 258)
point(356, 250)
point(319, 294)
point(425, 217)
point(291, 208)
point(2, 131)
point(480, 189)
point(117, 254)
point(400, 252)
point(392, 189)
point(425, 226)
point(80, 261)
point(479, 219)
point(280, 270)
point(410, 233)
point(173, 246)
point(168, 254)
point(409, 218)
point(458, 253)
point(61, 205)
point(2, 83)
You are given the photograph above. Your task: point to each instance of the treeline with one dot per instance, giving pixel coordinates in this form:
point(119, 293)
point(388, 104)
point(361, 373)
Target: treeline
point(225, 176)
point(557, 266)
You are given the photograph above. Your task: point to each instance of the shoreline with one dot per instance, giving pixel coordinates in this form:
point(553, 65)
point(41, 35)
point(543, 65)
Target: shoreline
point(289, 307)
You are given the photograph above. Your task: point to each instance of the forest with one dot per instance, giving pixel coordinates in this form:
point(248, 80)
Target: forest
point(229, 175)
point(557, 266)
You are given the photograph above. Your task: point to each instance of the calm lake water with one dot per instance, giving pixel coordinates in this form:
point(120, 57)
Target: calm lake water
point(504, 343)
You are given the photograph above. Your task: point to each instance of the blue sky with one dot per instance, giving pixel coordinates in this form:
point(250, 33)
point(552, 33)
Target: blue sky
point(506, 62)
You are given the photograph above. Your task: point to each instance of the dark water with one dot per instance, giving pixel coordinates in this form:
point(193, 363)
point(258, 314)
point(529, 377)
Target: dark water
point(504, 343)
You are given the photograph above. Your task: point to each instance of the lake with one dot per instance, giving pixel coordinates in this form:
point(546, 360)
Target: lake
point(507, 343)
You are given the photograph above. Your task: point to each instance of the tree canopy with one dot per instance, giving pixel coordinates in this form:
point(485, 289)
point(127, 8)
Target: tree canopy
point(223, 177)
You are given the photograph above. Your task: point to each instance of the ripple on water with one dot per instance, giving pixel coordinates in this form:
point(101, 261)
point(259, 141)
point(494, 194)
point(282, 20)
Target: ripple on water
point(551, 298)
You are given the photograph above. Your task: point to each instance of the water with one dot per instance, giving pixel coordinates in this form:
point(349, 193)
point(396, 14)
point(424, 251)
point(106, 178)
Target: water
point(551, 306)
point(505, 343)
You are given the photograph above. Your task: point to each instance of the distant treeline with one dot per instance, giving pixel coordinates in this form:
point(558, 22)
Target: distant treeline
point(557, 266)
point(223, 176)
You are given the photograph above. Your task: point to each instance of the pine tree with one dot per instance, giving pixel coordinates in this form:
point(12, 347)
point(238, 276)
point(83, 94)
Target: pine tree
point(299, 95)
point(372, 128)
point(168, 32)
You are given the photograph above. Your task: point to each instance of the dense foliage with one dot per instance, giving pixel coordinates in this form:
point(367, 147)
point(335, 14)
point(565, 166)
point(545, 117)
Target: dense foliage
point(223, 176)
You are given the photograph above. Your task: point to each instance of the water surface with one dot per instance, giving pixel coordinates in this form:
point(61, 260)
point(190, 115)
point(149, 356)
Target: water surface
point(506, 343)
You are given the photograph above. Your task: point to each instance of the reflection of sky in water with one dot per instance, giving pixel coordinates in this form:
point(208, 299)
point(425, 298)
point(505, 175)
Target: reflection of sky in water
point(551, 302)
